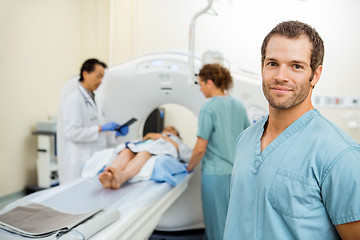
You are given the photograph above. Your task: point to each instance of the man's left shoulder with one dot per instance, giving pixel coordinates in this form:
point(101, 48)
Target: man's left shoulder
point(324, 128)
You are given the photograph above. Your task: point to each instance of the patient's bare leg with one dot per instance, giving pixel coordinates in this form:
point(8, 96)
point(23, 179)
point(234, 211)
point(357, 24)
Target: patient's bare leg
point(122, 159)
point(132, 168)
point(106, 178)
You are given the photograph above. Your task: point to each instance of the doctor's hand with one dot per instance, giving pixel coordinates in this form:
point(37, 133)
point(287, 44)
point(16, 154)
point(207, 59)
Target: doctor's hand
point(123, 131)
point(110, 126)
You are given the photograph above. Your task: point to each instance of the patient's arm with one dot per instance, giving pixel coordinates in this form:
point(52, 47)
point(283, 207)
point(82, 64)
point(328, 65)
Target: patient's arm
point(349, 231)
point(155, 136)
point(176, 145)
point(198, 153)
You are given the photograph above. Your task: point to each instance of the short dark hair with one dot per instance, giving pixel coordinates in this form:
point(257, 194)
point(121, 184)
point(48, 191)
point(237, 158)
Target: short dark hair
point(89, 66)
point(295, 29)
point(218, 74)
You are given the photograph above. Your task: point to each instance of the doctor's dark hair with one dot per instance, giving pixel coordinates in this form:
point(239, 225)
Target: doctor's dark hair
point(293, 30)
point(218, 74)
point(89, 66)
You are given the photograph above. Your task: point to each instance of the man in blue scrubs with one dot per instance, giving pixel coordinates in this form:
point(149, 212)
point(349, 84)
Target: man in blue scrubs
point(296, 175)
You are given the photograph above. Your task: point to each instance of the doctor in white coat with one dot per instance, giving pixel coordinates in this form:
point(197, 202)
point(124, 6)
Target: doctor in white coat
point(84, 130)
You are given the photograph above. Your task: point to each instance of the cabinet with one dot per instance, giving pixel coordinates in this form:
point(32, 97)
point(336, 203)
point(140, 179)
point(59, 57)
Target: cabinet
point(47, 171)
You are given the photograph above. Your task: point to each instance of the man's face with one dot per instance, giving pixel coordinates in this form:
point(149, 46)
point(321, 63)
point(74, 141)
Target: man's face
point(286, 72)
point(93, 79)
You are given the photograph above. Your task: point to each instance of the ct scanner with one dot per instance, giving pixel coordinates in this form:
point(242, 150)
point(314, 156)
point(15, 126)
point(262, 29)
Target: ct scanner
point(134, 89)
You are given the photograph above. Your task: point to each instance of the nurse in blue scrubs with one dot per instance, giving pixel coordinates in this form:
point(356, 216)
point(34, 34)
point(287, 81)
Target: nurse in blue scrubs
point(221, 120)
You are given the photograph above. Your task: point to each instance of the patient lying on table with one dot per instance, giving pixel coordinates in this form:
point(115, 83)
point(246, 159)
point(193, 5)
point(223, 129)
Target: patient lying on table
point(132, 158)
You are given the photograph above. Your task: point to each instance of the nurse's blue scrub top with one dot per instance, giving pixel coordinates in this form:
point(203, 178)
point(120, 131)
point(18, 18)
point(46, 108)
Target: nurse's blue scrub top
point(221, 120)
point(303, 183)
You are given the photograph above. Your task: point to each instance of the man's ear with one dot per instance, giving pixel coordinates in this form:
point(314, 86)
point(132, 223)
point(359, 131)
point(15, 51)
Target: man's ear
point(85, 74)
point(316, 76)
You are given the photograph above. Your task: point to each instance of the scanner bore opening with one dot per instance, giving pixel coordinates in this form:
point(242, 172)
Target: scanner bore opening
point(176, 115)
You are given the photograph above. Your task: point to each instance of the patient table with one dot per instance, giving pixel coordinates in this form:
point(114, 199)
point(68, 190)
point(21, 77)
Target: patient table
point(140, 204)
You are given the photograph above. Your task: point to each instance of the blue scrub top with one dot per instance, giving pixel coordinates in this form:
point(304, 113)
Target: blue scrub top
point(301, 185)
point(221, 121)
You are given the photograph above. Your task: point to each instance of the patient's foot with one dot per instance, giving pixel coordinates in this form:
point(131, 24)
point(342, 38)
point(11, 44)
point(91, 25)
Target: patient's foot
point(117, 178)
point(106, 178)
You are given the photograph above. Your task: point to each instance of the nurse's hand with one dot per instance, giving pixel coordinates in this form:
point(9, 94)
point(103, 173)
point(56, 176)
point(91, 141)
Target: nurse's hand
point(123, 131)
point(110, 126)
point(186, 168)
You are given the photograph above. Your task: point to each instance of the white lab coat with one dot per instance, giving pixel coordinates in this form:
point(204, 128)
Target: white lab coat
point(79, 135)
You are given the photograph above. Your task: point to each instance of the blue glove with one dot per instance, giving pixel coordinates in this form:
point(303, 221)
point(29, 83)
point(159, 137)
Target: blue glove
point(110, 126)
point(123, 131)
